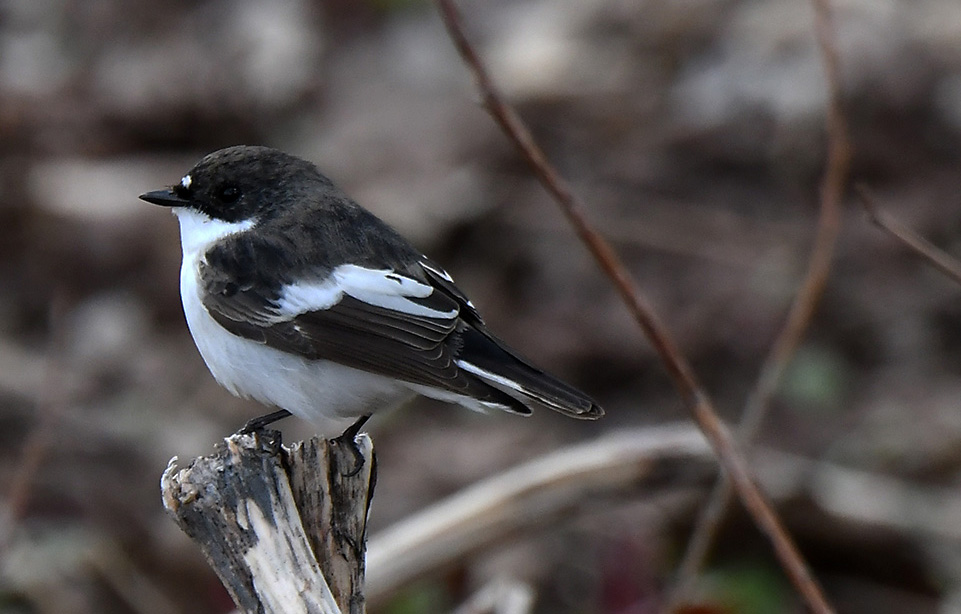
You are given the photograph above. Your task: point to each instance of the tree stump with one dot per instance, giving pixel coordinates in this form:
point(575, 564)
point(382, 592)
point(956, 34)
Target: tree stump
point(284, 528)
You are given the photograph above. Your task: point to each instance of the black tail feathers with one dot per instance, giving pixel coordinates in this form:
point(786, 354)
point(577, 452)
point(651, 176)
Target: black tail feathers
point(488, 359)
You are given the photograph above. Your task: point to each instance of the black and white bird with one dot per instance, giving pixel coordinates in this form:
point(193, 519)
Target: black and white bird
point(301, 299)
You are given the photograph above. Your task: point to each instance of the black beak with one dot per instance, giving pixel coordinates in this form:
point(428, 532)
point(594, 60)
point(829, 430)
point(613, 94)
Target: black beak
point(166, 198)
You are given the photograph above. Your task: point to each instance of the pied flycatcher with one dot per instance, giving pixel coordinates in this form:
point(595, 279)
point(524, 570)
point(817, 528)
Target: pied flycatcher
point(301, 299)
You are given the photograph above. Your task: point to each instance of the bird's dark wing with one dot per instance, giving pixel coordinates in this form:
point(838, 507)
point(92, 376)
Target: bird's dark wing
point(396, 324)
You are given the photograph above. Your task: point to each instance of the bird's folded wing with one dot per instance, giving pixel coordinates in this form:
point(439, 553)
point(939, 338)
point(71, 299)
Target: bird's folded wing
point(375, 320)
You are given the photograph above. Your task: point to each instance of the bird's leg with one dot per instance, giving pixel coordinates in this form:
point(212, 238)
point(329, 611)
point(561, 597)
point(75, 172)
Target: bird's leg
point(258, 423)
point(347, 439)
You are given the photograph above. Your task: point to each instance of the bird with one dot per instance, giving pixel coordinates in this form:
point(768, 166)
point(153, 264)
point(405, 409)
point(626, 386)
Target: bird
point(301, 299)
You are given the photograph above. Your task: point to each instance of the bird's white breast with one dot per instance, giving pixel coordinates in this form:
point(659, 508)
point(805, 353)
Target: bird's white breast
point(325, 393)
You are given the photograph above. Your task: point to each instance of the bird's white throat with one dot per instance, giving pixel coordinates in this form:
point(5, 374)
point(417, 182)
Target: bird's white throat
point(199, 231)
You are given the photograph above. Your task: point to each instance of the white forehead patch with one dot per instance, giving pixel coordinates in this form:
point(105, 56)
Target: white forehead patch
point(185, 182)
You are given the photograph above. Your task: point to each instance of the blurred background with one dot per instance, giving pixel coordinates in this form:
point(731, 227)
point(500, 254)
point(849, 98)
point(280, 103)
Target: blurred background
point(692, 130)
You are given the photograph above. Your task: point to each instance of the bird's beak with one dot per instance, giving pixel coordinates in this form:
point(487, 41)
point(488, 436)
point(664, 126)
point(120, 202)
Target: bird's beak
point(166, 198)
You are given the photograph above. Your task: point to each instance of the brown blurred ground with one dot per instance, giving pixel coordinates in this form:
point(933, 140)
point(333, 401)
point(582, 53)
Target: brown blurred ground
point(693, 131)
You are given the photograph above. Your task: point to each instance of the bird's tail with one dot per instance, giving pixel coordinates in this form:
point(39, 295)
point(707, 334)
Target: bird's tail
point(500, 367)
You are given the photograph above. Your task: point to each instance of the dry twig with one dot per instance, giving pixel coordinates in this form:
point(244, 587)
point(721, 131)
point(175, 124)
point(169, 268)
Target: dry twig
point(693, 395)
point(802, 308)
point(938, 258)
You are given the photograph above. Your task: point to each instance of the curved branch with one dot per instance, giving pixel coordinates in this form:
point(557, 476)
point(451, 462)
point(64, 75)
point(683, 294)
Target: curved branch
point(695, 399)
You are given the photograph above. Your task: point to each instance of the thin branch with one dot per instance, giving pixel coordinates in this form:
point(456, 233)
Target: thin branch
point(805, 301)
point(695, 399)
point(938, 258)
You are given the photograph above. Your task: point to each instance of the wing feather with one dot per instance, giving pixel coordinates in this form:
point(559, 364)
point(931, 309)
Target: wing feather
point(380, 321)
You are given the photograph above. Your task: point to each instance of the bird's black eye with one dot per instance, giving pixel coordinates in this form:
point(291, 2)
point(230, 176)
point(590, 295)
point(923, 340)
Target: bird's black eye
point(228, 194)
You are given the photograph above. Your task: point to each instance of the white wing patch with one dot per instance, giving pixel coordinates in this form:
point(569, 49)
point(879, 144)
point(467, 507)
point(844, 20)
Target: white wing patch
point(387, 289)
point(381, 288)
point(306, 297)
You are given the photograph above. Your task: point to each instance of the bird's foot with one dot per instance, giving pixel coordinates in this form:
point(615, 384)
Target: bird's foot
point(347, 440)
point(257, 424)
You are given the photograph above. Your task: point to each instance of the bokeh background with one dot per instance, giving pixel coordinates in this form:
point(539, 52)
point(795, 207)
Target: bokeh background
point(692, 130)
